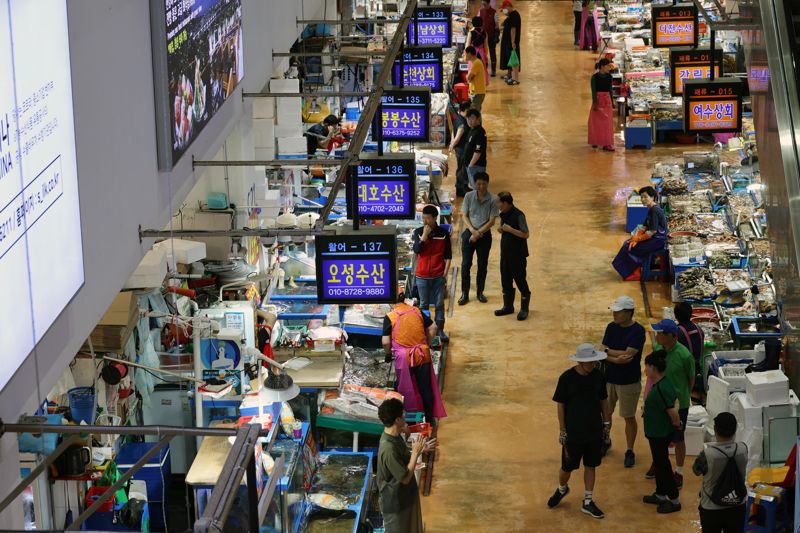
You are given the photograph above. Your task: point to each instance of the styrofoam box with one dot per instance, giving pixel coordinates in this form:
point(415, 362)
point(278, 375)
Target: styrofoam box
point(737, 383)
point(290, 112)
point(265, 154)
point(284, 86)
point(694, 436)
point(749, 415)
point(186, 252)
point(292, 145)
point(768, 388)
point(263, 132)
point(264, 108)
point(291, 130)
point(151, 271)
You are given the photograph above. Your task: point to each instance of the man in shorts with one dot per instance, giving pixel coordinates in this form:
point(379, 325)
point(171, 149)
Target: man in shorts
point(624, 340)
point(584, 418)
point(680, 372)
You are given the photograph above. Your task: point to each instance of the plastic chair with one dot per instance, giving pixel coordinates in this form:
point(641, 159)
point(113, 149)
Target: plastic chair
point(659, 274)
point(771, 500)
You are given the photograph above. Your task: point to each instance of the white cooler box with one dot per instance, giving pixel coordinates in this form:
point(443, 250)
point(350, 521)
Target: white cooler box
point(767, 388)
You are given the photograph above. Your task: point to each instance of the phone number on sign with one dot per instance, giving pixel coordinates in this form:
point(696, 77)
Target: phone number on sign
point(381, 208)
point(356, 291)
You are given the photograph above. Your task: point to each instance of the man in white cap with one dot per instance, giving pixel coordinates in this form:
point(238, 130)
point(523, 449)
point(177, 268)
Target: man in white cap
point(584, 418)
point(623, 341)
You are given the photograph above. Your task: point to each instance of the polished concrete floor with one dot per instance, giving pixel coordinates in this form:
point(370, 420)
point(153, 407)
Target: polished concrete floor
point(499, 453)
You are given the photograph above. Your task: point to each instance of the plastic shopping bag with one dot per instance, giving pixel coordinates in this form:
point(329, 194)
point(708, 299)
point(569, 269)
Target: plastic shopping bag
point(513, 59)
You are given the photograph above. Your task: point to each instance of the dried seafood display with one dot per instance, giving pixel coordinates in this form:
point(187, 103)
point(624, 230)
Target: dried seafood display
point(712, 224)
point(696, 284)
point(681, 222)
point(731, 280)
point(692, 203)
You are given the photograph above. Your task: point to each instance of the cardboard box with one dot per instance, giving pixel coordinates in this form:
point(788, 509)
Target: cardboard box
point(116, 326)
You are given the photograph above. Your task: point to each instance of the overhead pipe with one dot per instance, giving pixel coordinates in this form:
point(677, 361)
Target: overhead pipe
point(260, 233)
point(311, 94)
point(354, 53)
point(267, 163)
point(175, 431)
point(346, 22)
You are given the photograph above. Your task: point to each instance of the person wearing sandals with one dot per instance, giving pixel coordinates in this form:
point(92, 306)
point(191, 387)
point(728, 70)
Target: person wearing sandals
point(584, 419)
point(512, 30)
point(601, 116)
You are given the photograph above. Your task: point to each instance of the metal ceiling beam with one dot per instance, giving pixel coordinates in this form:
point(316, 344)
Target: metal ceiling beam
point(310, 94)
point(370, 108)
point(268, 163)
point(345, 22)
point(238, 233)
point(354, 53)
point(120, 430)
point(727, 23)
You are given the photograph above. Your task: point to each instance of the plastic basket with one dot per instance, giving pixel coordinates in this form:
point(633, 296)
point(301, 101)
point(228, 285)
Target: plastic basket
point(93, 494)
point(81, 404)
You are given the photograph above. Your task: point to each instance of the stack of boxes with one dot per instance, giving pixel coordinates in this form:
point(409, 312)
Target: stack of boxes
point(264, 128)
point(291, 143)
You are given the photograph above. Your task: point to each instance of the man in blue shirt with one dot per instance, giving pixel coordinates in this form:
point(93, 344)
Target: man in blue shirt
point(623, 341)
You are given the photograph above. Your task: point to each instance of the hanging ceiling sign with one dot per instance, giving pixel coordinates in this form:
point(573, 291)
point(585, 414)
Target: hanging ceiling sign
point(422, 67)
point(674, 25)
point(758, 77)
point(384, 187)
point(356, 268)
point(691, 64)
point(404, 115)
point(434, 26)
point(713, 106)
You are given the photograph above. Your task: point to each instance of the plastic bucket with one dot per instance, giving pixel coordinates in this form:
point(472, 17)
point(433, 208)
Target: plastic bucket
point(81, 404)
point(93, 494)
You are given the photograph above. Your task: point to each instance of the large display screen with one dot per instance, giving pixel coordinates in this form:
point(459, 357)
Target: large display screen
point(359, 268)
point(41, 251)
point(674, 25)
point(433, 25)
point(404, 115)
point(713, 106)
point(422, 67)
point(691, 64)
point(384, 187)
point(204, 64)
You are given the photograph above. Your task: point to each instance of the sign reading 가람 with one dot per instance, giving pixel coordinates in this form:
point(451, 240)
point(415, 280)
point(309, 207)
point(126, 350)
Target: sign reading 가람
point(691, 64)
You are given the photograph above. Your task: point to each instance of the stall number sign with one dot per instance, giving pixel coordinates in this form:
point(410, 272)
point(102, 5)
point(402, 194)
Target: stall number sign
point(431, 25)
point(758, 78)
point(355, 269)
point(689, 64)
point(422, 67)
point(404, 115)
point(385, 188)
point(674, 25)
point(713, 106)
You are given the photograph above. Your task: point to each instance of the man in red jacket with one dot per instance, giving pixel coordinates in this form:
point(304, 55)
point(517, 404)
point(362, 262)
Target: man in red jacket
point(432, 246)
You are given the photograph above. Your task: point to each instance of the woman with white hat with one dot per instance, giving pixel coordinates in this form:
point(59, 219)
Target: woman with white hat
point(584, 417)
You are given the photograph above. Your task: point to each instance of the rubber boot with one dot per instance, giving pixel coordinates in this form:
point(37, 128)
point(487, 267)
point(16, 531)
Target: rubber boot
point(508, 304)
point(523, 307)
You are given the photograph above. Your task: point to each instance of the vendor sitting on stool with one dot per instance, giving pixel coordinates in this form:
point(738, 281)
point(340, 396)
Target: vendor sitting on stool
point(407, 334)
point(645, 240)
point(321, 135)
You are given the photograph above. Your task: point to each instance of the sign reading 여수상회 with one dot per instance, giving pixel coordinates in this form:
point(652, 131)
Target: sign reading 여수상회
point(356, 268)
point(713, 106)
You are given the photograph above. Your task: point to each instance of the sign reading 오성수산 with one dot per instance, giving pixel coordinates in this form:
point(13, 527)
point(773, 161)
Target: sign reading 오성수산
point(674, 25)
point(404, 115)
point(434, 25)
point(385, 187)
point(713, 106)
point(691, 64)
point(422, 67)
point(356, 268)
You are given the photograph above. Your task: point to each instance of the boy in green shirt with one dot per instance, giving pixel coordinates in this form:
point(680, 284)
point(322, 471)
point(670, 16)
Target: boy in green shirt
point(680, 373)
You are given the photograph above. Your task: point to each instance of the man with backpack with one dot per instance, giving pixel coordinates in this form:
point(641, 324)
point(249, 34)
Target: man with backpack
point(691, 336)
point(723, 493)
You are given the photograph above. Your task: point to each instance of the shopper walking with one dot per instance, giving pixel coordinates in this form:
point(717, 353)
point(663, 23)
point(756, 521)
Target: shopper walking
point(577, 11)
point(661, 419)
point(512, 32)
point(478, 213)
point(624, 341)
point(723, 465)
point(407, 335)
point(476, 76)
point(645, 240)
point(601, 116)
point(458, 143)
point(584, 419)
point(397, 486)
point(488, 16)
point(432, 246)
point(475, 150)
point(590, 33)
point(681, 375)
point(513, 256)
point(691, 336)
point(477, 39)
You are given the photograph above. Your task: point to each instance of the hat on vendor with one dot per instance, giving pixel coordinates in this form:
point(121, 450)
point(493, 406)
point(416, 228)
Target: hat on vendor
point(665, 326)
point(587, 353)
point(623, 303)
point(506, 4)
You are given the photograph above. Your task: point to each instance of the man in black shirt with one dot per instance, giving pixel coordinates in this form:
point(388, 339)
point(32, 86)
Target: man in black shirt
point(584, 419)
point(475, 150)
point(319, 135)
point(513, 256)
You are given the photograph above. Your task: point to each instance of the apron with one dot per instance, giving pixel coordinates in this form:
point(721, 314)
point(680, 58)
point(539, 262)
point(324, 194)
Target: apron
point(601, 121)
point(407, 357)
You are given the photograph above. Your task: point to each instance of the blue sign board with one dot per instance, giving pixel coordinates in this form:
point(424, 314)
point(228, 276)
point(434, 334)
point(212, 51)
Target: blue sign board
point(422, 67)
point(357, 268)
point(404, 115)
point(432, 25)
point(384, 187)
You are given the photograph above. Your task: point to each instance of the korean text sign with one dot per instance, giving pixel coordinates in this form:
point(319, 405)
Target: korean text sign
point(404, 115)
point(422, 67)
point(713, 107)
point(674, 25)
point(691, 64)
point(384, 187)
point(433, 25)
point(359, 268)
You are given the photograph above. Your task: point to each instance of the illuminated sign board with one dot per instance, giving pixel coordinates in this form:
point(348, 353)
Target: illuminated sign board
point(422, 67)
point(674, 25)
point(434, 25)
point(758, 78)
point(404, 115)
point(713, 106)
point(385, 187)
point(691, 64)
point(356, 268)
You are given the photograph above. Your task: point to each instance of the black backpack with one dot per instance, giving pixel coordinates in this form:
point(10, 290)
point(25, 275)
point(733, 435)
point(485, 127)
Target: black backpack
point(730, 490)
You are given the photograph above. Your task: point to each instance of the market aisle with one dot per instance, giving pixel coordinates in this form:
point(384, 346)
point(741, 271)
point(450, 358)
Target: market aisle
point(499, 452)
